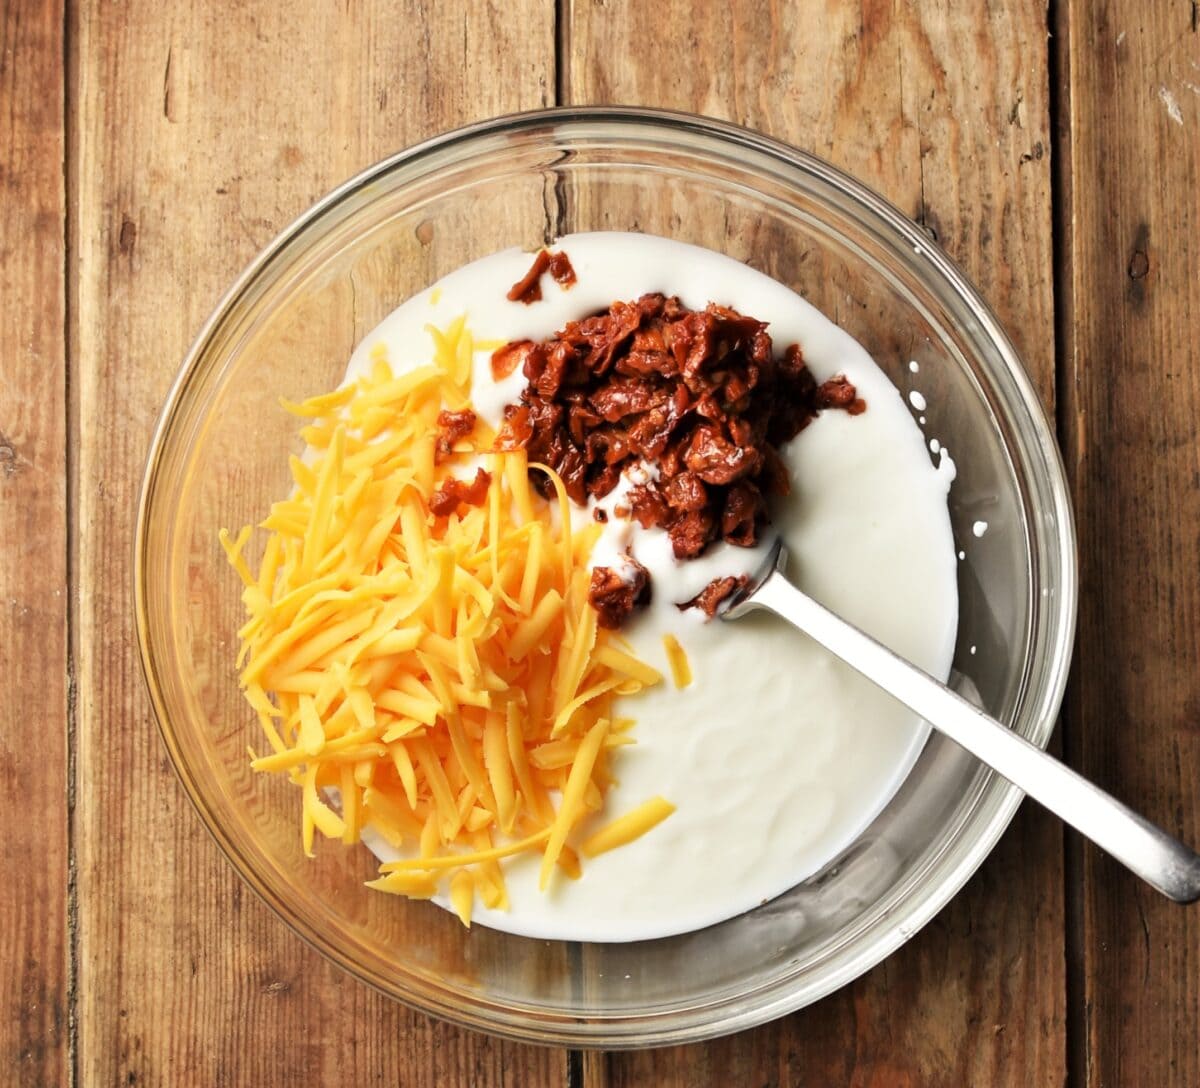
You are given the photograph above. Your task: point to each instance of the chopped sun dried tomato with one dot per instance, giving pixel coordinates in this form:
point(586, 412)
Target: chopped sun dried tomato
point(507, 359)
point(839, 393)
point(614, 597)
point(446, 499)
point(561, 270)
point(528, 288)
point(711, 597)
point(699, 394)
point(451, 427)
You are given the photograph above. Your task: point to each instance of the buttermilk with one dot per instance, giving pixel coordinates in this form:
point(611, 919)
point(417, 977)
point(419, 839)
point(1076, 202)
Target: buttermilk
point(776, 756)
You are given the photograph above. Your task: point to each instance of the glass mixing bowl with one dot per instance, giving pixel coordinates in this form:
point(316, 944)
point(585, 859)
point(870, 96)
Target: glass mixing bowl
point(219, 457)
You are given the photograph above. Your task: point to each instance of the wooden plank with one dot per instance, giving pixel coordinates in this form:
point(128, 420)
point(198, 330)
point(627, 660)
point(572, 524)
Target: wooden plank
point(945, 109)
point(1131, 405)
point(202, 130)
point(33, 550)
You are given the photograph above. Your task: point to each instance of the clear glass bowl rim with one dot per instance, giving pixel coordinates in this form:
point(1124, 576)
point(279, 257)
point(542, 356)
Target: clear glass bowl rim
point(1038, 452)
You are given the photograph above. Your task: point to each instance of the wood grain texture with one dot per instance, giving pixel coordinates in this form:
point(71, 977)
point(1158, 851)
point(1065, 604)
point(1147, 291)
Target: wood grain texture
point(197, 131)
point(201, 130)
point(1132, 405)
point(944, 108)
point(33, 551)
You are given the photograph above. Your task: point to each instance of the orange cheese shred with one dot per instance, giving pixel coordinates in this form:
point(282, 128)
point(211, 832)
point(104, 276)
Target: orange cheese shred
point(681, 669)
point(441, 681)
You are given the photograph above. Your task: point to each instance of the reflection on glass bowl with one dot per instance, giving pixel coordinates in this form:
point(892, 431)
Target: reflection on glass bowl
point(291, 322)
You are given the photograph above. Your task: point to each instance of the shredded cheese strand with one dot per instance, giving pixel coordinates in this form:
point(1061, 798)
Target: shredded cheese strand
point(445, 676)
point(624, 829)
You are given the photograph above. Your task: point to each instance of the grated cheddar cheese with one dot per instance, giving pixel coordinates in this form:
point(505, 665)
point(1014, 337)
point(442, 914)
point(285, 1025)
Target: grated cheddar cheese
point(445, 675)
point(681, 669)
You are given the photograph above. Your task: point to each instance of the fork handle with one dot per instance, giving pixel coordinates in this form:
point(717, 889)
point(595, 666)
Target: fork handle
point(1160, 860)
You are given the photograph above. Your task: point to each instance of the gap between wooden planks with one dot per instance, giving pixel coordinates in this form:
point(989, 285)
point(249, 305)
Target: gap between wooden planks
point(34, 678)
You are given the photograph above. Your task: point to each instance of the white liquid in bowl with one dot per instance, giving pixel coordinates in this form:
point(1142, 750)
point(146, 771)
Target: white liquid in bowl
point(777, 756)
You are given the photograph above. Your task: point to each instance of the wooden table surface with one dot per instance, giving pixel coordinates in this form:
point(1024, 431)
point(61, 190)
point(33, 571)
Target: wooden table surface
point(148, 149)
